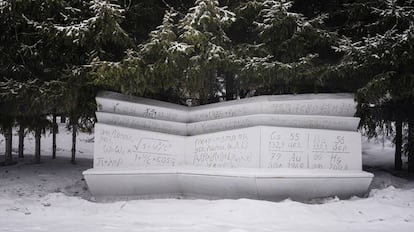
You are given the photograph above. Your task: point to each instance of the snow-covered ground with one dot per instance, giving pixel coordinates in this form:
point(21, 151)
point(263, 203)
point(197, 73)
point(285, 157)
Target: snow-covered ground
point(53, 196)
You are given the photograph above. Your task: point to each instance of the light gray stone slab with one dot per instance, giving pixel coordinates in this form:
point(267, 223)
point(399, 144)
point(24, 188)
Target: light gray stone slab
point(170, 127)
point(219, 110)
point(143, 108)
point(310, 149)
point(303, 104)
point(279, 120)
point(265, 184)
point(199, 184)
point(119, 147)
point(266, 147)
point(254, 147)
point(227, 149)
point(318, 184)
point(196, 128)
point(328, 106)
point(131, 183)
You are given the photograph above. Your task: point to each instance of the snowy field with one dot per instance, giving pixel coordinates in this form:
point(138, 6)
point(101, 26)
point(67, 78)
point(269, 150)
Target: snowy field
point(53, 196)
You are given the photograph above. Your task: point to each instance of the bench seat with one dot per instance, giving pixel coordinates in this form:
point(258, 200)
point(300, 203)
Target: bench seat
point(254, 183)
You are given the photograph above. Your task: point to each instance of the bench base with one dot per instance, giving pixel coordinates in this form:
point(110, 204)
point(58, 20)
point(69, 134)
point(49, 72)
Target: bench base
point(263, 184)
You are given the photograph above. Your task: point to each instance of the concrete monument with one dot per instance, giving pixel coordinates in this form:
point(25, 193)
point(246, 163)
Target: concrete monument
point(267, 147)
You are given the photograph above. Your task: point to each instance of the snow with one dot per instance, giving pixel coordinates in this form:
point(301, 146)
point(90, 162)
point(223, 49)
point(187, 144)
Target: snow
point(180, 47)
point(53, 196)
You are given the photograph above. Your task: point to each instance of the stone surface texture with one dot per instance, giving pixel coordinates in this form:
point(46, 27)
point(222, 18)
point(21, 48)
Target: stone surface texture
point(266, 147)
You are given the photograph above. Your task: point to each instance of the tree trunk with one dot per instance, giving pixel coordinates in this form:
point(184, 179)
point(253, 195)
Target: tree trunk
point(54, 131)
point(63, 119)
point(230, 90)
point(38, 135)
point(74, 130)
point(21, 141)
point(411, 144)
point(398, 145)
point(8, 136)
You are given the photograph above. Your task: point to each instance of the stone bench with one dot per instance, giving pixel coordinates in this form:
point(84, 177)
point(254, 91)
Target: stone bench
point(264, 184)
point(266, 147)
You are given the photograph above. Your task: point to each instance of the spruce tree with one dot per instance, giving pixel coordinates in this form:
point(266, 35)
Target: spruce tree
point(384, 58)
point(164, 60)
point(282, 52)
point(183, 58)
point(85, 32)
point(22, 76)
point(152, 68)
point(203, 29)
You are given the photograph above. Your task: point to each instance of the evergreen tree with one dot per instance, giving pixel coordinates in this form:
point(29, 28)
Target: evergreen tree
point(183, 59)
point(284, 52)
point(143, 16)
point(23, 79)
point(208, 48)
point(153, 69)
point(89, 32)
point(47, 49)
point(98, 36)
point(385, 60)
point(164, 60)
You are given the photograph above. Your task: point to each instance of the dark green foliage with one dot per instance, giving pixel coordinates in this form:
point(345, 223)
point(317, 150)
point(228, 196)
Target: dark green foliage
point(46, 49)
point(183, 57)
point(383, 59)
point(284, 51)
point(205, 54)
point(207, 46)
point(143, 16)
point(55, 55)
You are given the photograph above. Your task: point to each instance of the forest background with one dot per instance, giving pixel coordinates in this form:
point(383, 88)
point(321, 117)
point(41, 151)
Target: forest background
point(55, 55)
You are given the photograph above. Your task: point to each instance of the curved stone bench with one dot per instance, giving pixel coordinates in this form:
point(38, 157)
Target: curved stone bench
point(266, 147)
point(259, 162)
point(269, 184)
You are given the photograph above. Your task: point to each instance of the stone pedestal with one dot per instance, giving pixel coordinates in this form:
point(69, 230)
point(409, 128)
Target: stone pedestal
point(268, 147)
